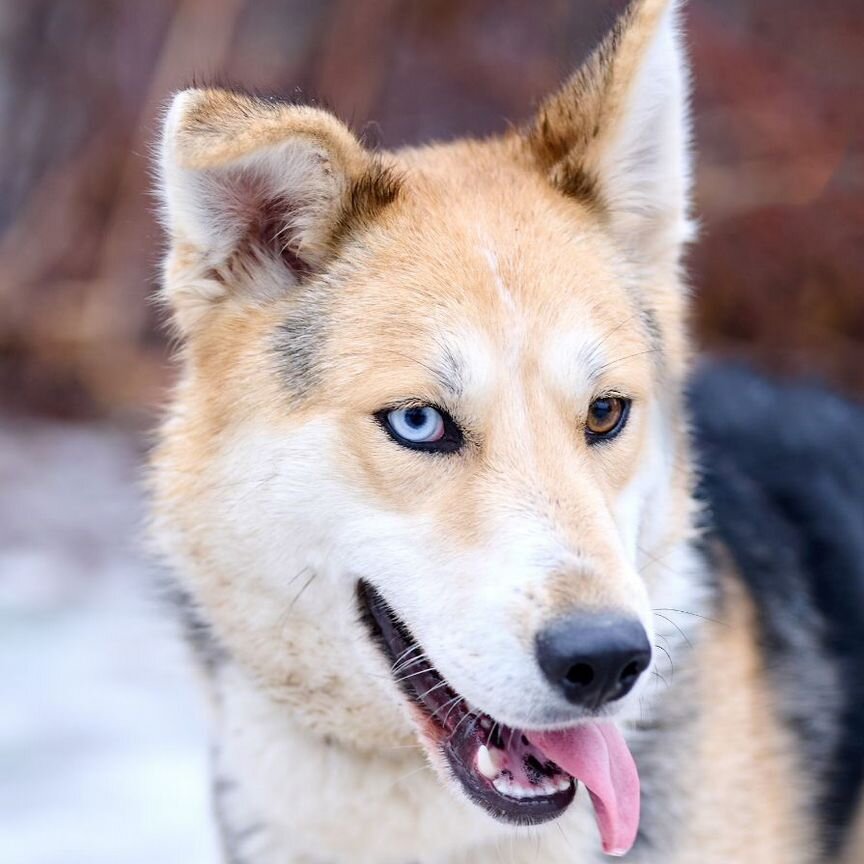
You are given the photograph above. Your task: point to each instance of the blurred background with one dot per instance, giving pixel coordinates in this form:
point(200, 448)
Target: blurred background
point(102, 738)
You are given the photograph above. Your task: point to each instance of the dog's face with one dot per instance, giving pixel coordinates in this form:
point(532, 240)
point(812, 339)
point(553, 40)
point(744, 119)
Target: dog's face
point(429, 415)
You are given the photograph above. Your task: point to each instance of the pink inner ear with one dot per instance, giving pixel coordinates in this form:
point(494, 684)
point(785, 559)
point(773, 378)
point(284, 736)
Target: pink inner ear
point(272, 230)
point(267, 219)
point(294, 262)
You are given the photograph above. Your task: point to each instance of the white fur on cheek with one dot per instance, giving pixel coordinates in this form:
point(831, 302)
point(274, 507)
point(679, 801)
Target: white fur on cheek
point(641, 509)
point(298, 516)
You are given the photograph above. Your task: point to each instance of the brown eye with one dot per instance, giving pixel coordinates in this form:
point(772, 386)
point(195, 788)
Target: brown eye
point(606, 418)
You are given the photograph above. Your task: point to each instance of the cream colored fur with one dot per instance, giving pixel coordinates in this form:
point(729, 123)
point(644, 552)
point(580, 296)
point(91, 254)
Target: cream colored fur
point(313, 283)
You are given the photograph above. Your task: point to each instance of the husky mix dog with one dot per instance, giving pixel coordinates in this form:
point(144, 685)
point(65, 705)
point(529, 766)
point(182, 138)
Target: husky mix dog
point(459, 588)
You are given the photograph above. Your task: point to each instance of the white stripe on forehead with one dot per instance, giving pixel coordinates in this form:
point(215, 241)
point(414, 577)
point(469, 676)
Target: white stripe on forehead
point(492, 260)
point(515, 317)
point(470, 362)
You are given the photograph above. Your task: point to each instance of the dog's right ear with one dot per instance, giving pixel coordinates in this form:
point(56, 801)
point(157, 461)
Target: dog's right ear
point(247, 180)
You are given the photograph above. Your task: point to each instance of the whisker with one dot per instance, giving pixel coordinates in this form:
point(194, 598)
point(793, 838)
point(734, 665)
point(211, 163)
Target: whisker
point(660, 562)
point(627, 357)
point(669, 657)
point(563, 835)
point(615, 329)
point(432, 689)
point(299, 594)
point(694, 614)
point(664, 637)
point(399, 780)
point(407, 652)
point(420, 363)
point(405, 657)
point(683, 634)
point(285, 616)
point(656, 674)
point(297, 575)
point(414, 674)
point(469, 714)
point(453, 703)
point(409, 663)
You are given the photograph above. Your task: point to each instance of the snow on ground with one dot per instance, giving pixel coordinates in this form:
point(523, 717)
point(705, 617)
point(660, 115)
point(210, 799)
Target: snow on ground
point(102, 730)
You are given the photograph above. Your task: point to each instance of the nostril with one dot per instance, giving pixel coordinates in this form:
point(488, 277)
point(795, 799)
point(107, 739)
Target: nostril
point(592, 659)
point(581, 674)
point(630, 673)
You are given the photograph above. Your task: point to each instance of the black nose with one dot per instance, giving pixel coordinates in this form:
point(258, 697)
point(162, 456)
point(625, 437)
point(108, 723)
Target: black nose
point(593, 659)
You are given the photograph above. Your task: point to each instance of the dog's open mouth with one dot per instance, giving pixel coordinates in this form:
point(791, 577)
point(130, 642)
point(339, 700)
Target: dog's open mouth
point(516, 775)
point(498, 767)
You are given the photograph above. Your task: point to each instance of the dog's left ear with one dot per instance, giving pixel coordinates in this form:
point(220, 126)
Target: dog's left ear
point(616, 135)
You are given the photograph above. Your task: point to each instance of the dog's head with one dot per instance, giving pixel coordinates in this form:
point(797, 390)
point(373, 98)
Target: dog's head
point(430, 404)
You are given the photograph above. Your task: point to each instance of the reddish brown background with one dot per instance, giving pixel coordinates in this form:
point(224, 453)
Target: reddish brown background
point(779, 88)
point(91, 676)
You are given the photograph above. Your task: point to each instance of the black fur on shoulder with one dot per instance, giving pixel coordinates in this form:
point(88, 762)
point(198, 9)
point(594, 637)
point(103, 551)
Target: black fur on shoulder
point(782, 473)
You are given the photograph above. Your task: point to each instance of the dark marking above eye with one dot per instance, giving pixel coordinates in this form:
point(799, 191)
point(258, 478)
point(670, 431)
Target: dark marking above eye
point(297, 346)
point(299, 341)
point(451, 373)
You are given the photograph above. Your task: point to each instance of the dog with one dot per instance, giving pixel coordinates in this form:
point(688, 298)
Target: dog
point(475, 566)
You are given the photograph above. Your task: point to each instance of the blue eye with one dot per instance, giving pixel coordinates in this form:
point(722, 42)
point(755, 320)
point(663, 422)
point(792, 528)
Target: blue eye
point(418, 425)
point(421, 427)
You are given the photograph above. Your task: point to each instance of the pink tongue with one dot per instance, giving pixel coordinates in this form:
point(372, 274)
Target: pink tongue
point(596, 755)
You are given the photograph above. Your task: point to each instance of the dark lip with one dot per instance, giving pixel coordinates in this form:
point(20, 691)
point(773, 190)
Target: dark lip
point(447, 723)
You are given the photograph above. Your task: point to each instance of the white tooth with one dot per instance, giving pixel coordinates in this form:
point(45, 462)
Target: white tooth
point(502, 784)
point(486, 763)
point(563, 784)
